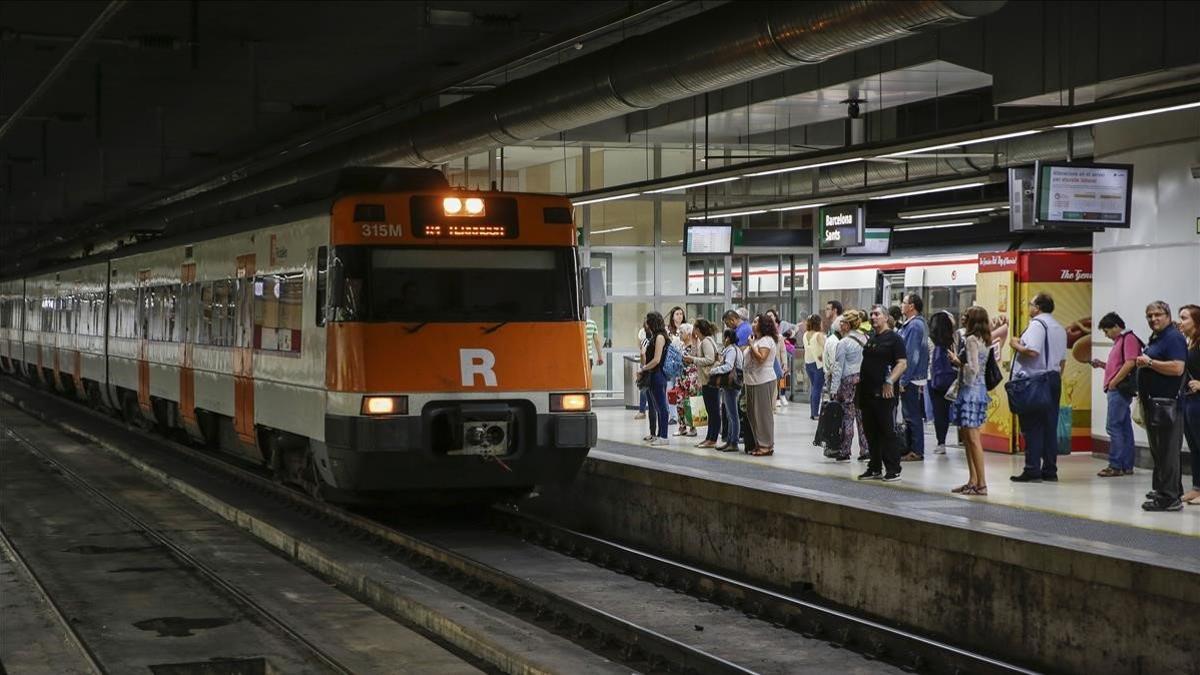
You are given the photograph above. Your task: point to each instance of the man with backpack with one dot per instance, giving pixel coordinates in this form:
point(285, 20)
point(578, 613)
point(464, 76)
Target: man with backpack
point(1120, 386)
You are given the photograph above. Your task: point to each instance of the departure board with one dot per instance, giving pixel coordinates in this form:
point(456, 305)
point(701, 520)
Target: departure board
point(1084, 194)
point(708, 240)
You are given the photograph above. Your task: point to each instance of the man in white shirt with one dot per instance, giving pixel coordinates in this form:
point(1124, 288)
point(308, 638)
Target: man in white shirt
point(1041, 348)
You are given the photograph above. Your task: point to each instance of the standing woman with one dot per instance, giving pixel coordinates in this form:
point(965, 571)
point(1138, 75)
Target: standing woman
point(884, 361)
point(843, 382)
point(703, 360)
point(676, 318)
point(781, 358)
point(1189, 395)
point(814, 362)
point(687, 384)
point(731, 364)
point(656, 347)
point(970, 396)
point(761, 384)
point(942, 373)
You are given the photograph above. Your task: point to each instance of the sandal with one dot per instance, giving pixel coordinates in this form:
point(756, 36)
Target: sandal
point(762, 452)
point(965, 488)
point(1110, 472)
point(706, 444)
point(978, 491)
point(690, 432)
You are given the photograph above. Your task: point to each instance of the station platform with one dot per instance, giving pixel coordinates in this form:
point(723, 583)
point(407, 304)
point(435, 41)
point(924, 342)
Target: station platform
point(1080, 504)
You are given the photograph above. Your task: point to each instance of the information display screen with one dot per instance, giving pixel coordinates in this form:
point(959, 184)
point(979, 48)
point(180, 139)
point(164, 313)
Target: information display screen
point(876, 241)
point(841, 225)
point(708, 240)
point(1083, 194)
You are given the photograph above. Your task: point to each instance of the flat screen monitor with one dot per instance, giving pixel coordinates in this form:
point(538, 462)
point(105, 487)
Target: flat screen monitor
point(876, 241)
point(1078, 194)
point(708, 239)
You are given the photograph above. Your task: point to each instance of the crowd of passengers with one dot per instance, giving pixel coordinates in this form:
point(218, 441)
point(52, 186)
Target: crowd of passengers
point(873, 362)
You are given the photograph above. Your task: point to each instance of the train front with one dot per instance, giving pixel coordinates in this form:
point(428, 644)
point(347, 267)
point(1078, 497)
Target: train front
point(456, 365)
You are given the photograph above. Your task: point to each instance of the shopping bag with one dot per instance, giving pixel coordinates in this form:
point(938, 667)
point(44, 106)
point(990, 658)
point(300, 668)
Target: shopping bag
point(1064, 430)
point(697, 413)
point(829, 427)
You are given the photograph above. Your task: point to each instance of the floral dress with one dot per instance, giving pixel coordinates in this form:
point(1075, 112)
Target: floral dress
point(685, 386)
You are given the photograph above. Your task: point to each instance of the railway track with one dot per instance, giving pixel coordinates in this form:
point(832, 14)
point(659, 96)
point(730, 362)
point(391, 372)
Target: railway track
point(641, 610)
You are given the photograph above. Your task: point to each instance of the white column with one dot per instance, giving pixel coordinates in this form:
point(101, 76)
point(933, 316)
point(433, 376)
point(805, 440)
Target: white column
point(1158, 257)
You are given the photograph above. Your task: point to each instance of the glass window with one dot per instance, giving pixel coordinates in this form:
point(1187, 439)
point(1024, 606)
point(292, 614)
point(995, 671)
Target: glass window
point(674, 275)
point(624, 222)
point(763, 276)
point(322, 280)
point(631, 270)
point(674, 216)
point(278, 301)
point(221, 331)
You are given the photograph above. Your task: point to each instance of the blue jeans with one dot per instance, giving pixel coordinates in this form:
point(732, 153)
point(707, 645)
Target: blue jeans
point(1190, 406)
point(912, 409)
point(941, 413)
point(729, 416)
point(657, 394)
point(1120, 431)
point(712, 404)
point(1041, 437)
point(643, 400)
point(816, 380)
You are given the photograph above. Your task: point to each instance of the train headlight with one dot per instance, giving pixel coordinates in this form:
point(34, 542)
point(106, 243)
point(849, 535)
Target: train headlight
point(570, 402)
point(474, 206)
point(385, 405)
point(452, 206)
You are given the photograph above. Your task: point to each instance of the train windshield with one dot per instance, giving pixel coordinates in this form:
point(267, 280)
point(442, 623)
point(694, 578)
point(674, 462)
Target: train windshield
point(455, 284)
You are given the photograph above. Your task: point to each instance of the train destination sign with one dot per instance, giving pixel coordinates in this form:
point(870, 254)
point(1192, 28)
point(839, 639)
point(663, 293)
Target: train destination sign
point(842, 226)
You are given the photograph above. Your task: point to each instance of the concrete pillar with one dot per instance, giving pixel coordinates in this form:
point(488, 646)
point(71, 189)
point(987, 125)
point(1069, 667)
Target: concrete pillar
point(1158, 258)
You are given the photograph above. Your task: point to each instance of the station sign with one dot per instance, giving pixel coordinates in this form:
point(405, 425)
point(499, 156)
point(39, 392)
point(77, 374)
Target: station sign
point(842, 226)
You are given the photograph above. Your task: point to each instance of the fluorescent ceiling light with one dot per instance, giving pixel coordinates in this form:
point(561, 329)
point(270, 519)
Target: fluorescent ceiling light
point(802, 167)
point(605, 199)
point(937, 226)
point(939, 214)
point(799, 206)
point(956, 144)
point(692, 185)
point(1140, 113)
point(613, 229)
point(726, 215)
point(927, 191)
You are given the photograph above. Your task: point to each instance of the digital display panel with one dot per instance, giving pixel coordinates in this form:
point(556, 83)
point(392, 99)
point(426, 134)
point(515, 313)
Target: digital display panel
point(876, 241)
point(1083, 194)
point(708, 240)
point(842, 226)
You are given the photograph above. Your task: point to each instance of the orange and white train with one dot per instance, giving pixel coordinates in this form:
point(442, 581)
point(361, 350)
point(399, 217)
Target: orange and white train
point(415, 341)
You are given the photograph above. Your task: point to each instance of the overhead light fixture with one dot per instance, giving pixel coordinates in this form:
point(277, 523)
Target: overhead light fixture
point(727, 215)
point(926, 191)
point(1140, 113)
point(1001, 137)
point(689, 186)
point(605, 199)
point(799, 206)
point(613, 229)
point(913, 215)
point(802, 167)
point(937, 226)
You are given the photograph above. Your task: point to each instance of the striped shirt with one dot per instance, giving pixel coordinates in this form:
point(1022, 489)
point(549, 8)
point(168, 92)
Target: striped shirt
point(589, 329)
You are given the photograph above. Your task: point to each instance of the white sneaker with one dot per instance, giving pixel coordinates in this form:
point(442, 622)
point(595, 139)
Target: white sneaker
point(784, 401)
point(659, 441)
point(939, 450)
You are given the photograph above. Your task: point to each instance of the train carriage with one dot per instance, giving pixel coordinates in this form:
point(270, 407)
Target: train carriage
point(398, 339)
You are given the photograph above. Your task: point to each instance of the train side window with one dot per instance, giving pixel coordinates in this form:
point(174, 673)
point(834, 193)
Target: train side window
point(204, 332)
point(322, 283)
point(278, 312)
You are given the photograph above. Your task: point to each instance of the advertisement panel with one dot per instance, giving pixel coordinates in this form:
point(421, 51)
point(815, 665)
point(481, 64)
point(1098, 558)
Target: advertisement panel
point(1006, 284)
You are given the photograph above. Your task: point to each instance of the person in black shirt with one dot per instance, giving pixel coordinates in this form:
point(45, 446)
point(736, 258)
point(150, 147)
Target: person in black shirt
point(883, 364)
point(1189, 395)
point(1160, 377)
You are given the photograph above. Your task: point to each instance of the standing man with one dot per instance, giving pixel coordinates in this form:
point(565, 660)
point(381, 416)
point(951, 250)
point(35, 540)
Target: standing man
point(1041, 348)
point(912, 386)
point(833, 315)
point(1118, 375)
point(733, 319)
point(1160, 374)
point(595, 356)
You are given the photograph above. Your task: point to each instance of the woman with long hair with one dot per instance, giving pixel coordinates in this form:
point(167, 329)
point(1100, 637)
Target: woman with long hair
point(656, 348)
point(814, 363)
point(781, 358)
point(703, 360)
point(970, 396)
point(761, 384)
point(941, 373)
point(729, 365)
point(843, 381)
point(675, 318)
point(1189, 395)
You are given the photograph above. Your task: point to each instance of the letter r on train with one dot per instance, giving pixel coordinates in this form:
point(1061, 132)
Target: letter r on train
point(472, 362)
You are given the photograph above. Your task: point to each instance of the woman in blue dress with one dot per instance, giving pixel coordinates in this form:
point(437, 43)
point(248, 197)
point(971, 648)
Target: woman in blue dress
point(969, 395)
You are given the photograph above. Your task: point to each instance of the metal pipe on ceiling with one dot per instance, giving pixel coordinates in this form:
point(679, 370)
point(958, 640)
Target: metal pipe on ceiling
point(61, 67)
point(728, 45)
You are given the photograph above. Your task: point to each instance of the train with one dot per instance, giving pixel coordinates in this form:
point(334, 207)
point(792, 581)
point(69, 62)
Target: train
point(390, 340)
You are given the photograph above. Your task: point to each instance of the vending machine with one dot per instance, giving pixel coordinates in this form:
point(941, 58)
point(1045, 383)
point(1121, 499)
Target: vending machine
point(1006, 283)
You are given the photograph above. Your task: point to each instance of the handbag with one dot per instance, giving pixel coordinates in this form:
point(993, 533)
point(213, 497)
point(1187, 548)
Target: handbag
point(829, 427)
point(992, 376)
point(1034, 392)
point(1139, 413)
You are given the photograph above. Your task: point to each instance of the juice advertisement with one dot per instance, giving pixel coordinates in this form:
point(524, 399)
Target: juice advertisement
point(1006, 283)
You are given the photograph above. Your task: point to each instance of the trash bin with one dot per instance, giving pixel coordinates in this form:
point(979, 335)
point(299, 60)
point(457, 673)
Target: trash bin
point(632, 365)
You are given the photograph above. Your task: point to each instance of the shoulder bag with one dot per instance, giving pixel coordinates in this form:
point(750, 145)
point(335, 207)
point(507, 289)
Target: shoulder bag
point(1034, 392)
point(1128, 387)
